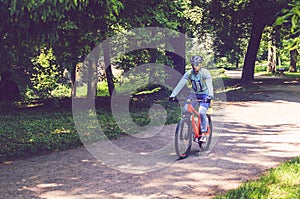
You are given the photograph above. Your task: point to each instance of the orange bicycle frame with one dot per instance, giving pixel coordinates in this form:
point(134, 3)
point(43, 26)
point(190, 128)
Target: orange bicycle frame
point(197, 127)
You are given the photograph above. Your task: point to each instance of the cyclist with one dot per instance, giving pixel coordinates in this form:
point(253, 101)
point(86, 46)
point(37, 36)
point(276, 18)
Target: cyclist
point(202, 89)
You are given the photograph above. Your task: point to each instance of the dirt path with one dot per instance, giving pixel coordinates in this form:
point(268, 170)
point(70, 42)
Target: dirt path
point(257, 135)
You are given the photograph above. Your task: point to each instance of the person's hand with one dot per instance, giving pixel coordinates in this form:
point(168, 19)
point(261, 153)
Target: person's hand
point(172, 99)
point(209, 98)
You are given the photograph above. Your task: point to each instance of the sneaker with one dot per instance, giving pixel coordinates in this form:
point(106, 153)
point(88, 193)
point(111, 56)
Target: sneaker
point(203, 139)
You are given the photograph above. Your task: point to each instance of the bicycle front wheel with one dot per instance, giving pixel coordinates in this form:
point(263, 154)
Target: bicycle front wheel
point(183, 138)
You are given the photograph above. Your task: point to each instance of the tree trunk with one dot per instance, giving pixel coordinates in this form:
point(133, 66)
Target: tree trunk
point(279, 60)
point(75, 76)
point(153, 55)
point(74, 87)
point(293, 60)
point(73, 81)
point(108, 70)
point(271, 58)
point(249, 62)
point(110, 81)
point(92, 82)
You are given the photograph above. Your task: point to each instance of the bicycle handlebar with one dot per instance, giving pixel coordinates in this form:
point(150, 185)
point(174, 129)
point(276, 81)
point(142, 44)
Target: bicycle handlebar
point(198, 100)
point(193, 100)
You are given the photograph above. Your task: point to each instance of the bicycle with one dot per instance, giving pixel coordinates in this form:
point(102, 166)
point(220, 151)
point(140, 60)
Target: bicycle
point(189, 129)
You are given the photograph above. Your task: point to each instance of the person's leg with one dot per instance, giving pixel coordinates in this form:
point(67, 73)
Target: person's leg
point(203, 107)
point(202, 111)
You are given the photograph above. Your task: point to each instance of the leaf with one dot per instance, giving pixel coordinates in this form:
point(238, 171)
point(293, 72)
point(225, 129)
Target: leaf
point(13, 6)
point(75, 2)
point(283, 19)
point(292, 44)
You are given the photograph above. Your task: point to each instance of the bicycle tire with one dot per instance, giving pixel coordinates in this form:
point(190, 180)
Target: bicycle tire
point(183, 138)
point(205, 146)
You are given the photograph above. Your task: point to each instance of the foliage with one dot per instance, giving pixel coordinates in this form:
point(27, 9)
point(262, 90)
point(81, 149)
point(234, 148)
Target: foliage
point(46, 75)
point(102, 89)
point(230, 27)
point(70, 28)
point(280, 182)
point(260, 68)
point(61, 91)
point(291, 16)
point(234, 21)
point(73, 28)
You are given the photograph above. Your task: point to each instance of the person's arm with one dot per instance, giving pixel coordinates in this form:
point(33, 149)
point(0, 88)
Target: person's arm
point(210, 87)
point(179, 86)
point(208, 80)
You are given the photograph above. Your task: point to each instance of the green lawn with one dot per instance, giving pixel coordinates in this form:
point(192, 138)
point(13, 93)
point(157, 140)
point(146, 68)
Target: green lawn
point(24, 133)
point(285, 74)
point(282, 182)
point(292, 75)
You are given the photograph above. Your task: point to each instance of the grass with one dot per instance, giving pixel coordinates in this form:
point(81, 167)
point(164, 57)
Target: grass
point(31, 132)
point(42, 128)
point(285, 74)
point(281, 182)
point(292, 74)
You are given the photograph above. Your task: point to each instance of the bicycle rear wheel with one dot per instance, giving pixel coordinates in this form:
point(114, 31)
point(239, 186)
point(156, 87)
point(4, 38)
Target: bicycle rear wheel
point(183, 138)
point(204, 146)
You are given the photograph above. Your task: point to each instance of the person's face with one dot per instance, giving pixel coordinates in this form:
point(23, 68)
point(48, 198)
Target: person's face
point(197, 68)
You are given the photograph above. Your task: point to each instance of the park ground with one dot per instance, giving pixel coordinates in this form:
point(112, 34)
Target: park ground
point(261, 130)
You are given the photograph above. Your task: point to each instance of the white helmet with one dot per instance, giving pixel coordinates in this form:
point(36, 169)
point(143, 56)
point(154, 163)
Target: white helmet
point(196, 60)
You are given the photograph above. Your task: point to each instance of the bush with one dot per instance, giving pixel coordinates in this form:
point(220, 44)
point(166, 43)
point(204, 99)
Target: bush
point(46, 74)
point(29, 94)
point(61, 91)
point(260, 68)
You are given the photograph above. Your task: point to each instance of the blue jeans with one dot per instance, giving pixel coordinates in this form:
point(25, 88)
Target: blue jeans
point(203, 106)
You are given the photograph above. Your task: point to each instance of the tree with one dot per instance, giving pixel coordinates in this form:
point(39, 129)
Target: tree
point(181, 16)
point(262, 14)
point(26, 28)
point(90, 24)
point(291, 17)
point(272, 58)
point(72, 28)
point(16, 50)
point(233, 21)
point(229, 26)
point(271, 44)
